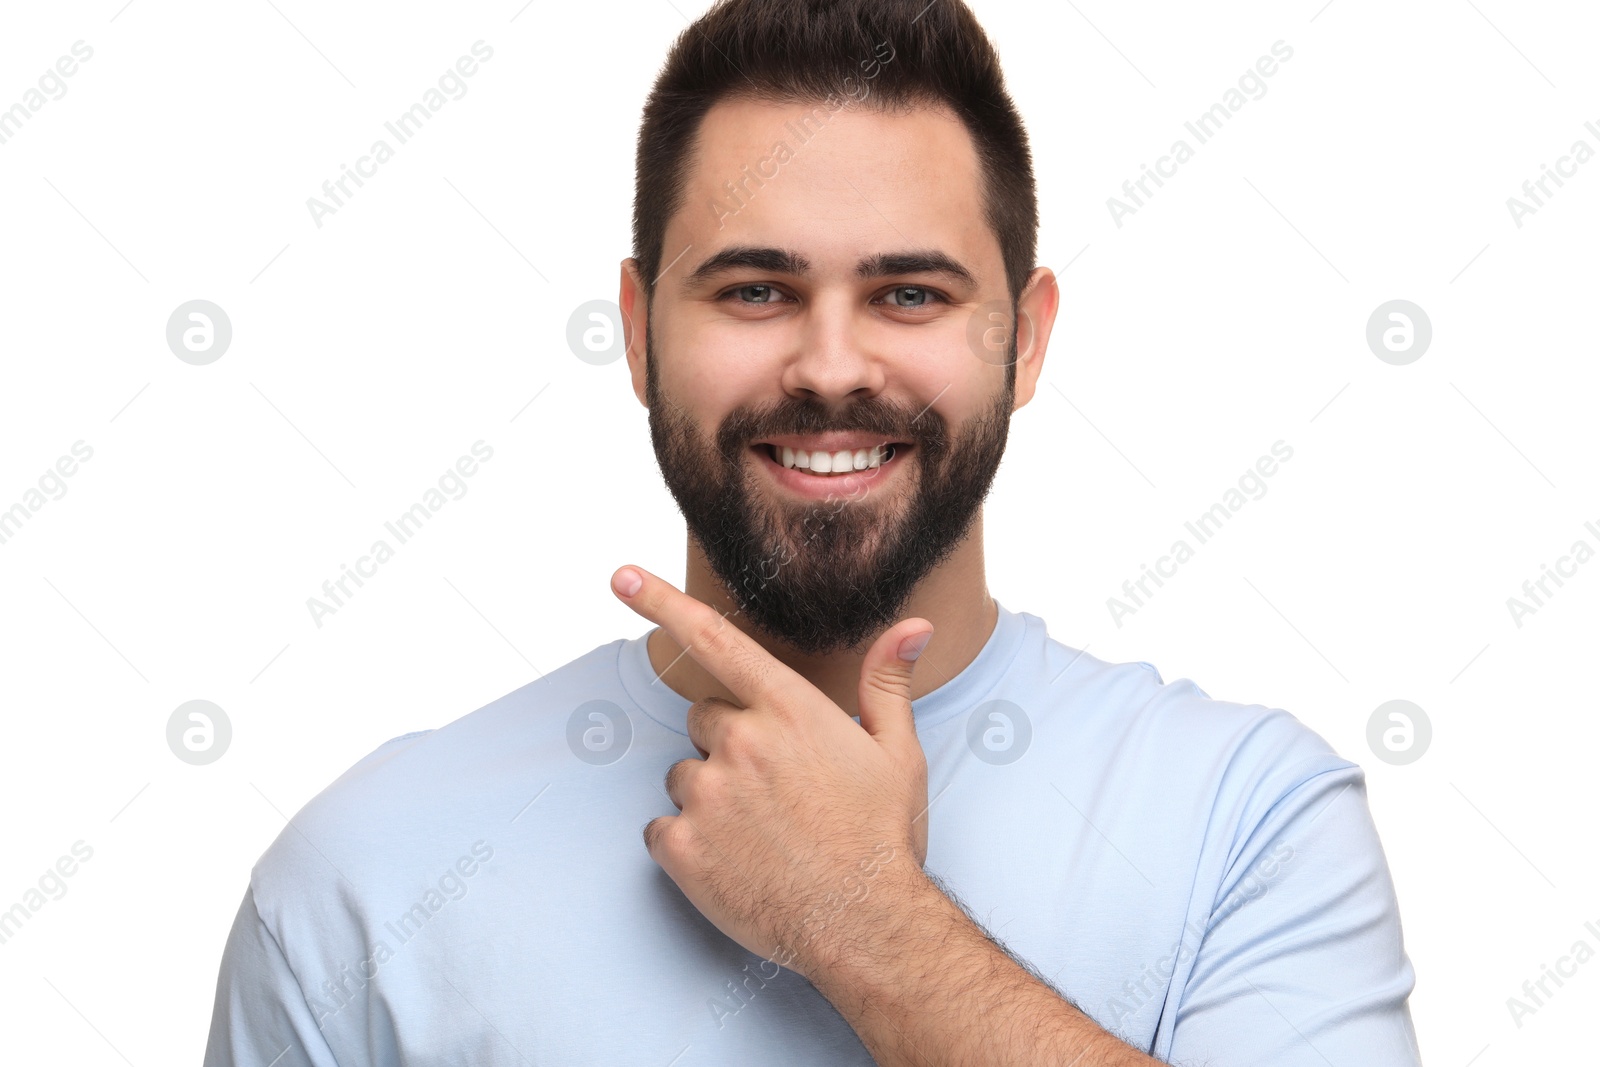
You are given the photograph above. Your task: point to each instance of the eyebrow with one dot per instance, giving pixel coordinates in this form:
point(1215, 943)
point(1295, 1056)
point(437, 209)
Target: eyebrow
point(787, 261)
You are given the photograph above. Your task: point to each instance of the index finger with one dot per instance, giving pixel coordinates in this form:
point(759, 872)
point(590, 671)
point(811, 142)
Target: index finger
point(751, 673)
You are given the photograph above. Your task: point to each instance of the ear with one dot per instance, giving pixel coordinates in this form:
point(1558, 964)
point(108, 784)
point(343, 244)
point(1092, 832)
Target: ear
point(635, 320)
point(1036, 314)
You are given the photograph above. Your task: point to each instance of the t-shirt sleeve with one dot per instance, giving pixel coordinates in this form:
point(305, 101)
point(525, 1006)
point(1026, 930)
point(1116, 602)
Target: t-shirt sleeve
point(261, 1017)
point(1302, 964)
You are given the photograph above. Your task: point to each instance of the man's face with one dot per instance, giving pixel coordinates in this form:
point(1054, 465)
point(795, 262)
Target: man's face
point(759, 360)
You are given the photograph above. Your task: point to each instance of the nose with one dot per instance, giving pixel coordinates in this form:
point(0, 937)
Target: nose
point(835, 358)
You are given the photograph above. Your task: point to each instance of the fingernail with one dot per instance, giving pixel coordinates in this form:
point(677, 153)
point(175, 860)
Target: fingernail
point(627, 582)
point(912, 647)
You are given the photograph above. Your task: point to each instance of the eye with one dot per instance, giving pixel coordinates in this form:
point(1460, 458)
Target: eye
point(915, 296)
point(758, 294)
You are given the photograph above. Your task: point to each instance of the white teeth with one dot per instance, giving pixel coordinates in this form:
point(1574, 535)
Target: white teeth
point(839, 462)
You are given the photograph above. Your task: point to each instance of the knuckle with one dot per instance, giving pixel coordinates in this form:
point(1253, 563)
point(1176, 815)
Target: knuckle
point(676, 837)
point(674, 778)
point(891, 681)
point(667, 835)
point(709, 633)
point(707, 708)
point(786, 708)
point(740, 743)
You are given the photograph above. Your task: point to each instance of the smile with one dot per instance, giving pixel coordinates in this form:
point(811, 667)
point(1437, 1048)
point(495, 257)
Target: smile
point(842, 461)
point(821, 473)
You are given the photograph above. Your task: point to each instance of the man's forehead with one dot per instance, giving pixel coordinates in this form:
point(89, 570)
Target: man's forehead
point(742, 121)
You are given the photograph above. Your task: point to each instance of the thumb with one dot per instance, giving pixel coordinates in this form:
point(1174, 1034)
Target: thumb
point(884, 697)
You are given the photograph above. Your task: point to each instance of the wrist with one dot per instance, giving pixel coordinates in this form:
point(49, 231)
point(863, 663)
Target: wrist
point(862, 942)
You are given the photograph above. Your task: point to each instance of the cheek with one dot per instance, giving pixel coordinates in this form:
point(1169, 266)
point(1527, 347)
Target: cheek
point(946, 352)
point(955, 387)
point(712, 372)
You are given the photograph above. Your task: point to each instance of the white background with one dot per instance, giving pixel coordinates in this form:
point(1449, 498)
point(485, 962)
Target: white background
point(368, 354)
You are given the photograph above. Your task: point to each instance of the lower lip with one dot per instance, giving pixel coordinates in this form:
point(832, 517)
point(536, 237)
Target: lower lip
point(824, 487)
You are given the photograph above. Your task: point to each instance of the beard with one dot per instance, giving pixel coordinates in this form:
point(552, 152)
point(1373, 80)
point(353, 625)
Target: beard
point(826, 575)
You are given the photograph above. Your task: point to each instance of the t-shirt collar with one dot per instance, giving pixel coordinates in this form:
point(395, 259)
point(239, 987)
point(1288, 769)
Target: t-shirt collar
point(962, 692)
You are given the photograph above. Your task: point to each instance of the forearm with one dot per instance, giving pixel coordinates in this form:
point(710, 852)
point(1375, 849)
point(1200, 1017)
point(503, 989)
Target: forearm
point(924, 987)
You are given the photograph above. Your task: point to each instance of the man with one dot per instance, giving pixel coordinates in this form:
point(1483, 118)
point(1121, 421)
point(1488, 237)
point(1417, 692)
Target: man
point(862, 843)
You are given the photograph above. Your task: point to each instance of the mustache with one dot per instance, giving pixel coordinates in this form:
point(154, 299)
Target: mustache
point(876, 417)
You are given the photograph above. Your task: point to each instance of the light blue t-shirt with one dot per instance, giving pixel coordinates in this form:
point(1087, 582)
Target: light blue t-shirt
point(1203, 878)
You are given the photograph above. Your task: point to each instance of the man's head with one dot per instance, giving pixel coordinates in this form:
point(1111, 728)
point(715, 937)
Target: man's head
point(834, 227)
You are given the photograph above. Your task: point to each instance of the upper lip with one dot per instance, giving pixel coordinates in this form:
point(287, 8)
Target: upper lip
point(828, 442)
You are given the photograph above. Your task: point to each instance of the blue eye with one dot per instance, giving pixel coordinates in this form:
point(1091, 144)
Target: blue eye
point(901, 296)
point(766, 292)
point(914, 291)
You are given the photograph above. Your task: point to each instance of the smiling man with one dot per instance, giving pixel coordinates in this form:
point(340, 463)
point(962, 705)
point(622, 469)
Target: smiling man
point(885, 819)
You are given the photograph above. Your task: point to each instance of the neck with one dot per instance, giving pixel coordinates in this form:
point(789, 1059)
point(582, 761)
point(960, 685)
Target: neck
point(953, 597)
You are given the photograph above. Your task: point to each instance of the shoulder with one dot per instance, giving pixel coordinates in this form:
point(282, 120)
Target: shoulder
point(1173, 739)
point(423, 799)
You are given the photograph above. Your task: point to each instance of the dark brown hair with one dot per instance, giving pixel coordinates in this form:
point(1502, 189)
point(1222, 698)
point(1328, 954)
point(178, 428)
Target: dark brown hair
point(804, 50)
